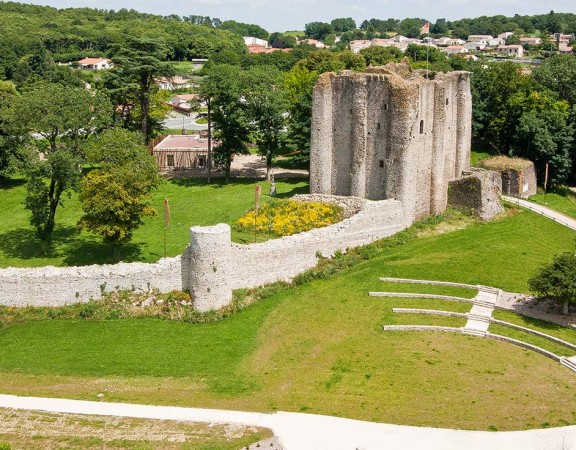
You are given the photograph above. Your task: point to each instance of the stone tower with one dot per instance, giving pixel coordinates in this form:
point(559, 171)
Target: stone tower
point(391, 133)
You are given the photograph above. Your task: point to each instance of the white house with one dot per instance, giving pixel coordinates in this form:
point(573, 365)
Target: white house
point(95, 63)
point(480, 38)
point(249, 40)
point(455, 49)
point(359, 44)
point(517, 51)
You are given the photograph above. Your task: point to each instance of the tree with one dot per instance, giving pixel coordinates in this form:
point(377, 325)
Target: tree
point(115, 196)
point(378, 56)
point(63, 116)
point(298, 84)
point(558, 74)
point(318, 30)
point(10, 137)
point(557, 280)
point(343, 24)
point(133, 80)
point(544, 134)
point(225, 86)
point(267, 106)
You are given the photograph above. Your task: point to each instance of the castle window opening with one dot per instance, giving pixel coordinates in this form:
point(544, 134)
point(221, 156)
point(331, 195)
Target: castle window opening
point(381, 163)
point(378, 126)
point(385, 106)
point(446, 101)
point(421, 127)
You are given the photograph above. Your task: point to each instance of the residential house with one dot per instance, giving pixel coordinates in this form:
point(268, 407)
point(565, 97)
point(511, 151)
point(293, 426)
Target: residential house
point(505, 36)
point(455, 49)
point(456, 42)
point(475, 45)
point(94, 63)
point(530, 41)
point(182, 152)
point(517, 51)
point(314, 42)
point(176, 82)
point(495, 42)
point(359, 44)
point(183, 101)
point(445, 40)
point(382, 42)
point(249, 40)
point(565, 49)
point(480, 38)
point(198, 63)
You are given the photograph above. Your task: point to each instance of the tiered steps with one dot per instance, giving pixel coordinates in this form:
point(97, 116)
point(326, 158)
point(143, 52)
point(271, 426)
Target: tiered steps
point(569, 362)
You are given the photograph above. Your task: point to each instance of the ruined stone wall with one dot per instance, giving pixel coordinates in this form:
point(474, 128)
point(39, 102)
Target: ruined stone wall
point(55, 286)
point(211, 266)
point(478, 192)
point(390, 133)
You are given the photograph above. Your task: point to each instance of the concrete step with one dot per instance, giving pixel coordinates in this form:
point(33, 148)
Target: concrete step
point(569, 362)
point(478, 317)
point(487, 297)
point(485, 311)
point(483, 303)
point(473, 332)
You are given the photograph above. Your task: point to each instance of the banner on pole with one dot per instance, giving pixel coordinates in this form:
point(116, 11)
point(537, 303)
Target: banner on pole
point(546, 177)
point(166, 213)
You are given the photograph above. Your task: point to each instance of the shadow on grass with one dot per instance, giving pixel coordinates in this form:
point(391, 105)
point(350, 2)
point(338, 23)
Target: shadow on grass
point(21, 243)
point(10, 183)
point(77, 249)
point(85, 252)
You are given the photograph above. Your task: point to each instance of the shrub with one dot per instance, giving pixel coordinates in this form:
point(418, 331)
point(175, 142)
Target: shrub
point(284, 218)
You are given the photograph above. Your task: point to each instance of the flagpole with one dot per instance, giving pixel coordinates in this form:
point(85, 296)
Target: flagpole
point(166, 221)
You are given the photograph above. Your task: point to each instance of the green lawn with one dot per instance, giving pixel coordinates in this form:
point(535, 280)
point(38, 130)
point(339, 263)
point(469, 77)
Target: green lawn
point(191, 203)
point(320, 348)
point(565, 204)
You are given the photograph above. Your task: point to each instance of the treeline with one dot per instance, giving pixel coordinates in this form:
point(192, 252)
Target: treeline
point(72, 34)
point(348, 29)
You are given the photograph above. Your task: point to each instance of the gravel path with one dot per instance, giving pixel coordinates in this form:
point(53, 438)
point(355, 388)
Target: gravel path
point(313, 432)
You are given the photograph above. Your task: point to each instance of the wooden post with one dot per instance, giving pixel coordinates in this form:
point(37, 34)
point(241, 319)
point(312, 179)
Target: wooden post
point(256, 205)
point(209, 141)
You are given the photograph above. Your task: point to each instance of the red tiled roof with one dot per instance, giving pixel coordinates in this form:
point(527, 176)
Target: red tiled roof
point(92, 60)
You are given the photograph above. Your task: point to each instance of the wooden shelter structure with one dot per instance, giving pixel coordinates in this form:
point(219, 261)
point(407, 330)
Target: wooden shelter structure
point(182, 152)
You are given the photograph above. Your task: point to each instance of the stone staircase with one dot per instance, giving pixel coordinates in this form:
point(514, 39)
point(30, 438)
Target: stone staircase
point(569, 362)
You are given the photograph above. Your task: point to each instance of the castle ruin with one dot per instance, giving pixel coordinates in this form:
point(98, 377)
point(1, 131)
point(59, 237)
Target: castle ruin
point(391, 133)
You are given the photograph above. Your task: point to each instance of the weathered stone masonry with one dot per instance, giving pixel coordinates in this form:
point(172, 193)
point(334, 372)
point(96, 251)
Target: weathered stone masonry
point(389, 140)
point(211, 267)
point(391, 133)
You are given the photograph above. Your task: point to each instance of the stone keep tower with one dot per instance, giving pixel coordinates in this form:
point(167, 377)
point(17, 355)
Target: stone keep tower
point(391, 133)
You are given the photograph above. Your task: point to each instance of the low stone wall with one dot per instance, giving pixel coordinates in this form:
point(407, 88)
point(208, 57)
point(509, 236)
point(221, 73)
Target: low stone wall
point(55, 286)
point(282, 259)
point(210, 267)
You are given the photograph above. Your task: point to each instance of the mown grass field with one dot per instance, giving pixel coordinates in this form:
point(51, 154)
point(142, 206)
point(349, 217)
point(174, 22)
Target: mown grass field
point(320, 348)
point(191, 203)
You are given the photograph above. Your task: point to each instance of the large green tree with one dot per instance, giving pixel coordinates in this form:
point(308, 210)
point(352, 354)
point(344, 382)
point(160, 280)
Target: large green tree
point(267, 106)
point(61, 117)
point(10, 136)
point(225, 87)
point(557, 280)
point(115, 195)
point(132, 81)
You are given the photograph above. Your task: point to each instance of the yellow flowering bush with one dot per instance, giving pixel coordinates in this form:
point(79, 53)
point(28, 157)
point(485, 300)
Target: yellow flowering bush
point(286, 217)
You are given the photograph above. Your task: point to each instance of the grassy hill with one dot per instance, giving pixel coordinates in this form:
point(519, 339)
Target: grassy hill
point(319, 347)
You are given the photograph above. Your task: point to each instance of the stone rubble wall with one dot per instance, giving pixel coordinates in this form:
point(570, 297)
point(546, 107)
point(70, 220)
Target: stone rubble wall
point(56, 286)
point(211, 266)
point(478, 192)
point(284, 258)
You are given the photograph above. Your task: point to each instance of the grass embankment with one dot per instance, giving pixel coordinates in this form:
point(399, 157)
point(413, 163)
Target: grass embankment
point(191, 203)
point(319, 347)
point(564, 203)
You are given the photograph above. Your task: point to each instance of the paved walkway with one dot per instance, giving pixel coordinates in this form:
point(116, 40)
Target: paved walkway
point(313, 432)
point(547, 212)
